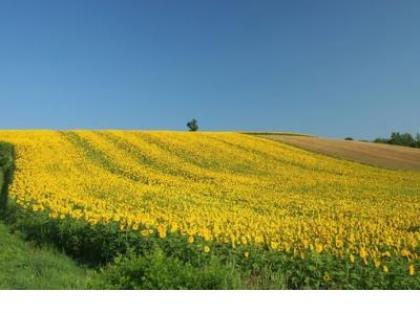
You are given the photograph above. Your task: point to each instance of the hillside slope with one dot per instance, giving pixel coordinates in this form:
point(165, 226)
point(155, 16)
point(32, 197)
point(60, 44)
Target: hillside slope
point(223, 187)
point(387, 156)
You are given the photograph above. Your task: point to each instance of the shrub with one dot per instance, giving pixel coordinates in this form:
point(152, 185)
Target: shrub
point(156, 270)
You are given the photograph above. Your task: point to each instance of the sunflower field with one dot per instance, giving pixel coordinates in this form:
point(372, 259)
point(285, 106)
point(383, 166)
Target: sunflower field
point(253, 204)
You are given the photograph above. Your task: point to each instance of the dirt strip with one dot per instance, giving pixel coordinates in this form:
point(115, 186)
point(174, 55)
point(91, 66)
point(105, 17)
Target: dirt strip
point(382, 155)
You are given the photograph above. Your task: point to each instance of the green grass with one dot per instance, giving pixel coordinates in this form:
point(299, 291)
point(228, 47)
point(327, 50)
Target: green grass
point(26, 266)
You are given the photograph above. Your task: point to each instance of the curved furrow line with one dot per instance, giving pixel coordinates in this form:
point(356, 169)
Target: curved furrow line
point(208, 191)
point(126, 163)
point(199, 150)
point(140, 154)
point(162, 153)
point(284, 161)
point(129, 164)
point(99, 158)
point(211, 186)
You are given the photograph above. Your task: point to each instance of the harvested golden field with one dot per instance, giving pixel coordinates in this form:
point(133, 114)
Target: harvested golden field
point(387, 156)
point(224, 188)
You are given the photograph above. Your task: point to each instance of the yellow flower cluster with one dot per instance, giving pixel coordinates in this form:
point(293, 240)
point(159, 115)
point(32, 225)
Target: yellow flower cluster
point(225, 187)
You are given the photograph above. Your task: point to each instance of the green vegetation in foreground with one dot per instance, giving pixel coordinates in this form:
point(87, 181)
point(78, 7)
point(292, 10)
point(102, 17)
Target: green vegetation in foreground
point(26, 266)
point(125, 260)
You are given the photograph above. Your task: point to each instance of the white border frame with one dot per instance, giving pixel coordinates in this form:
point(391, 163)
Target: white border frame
point(209, 301)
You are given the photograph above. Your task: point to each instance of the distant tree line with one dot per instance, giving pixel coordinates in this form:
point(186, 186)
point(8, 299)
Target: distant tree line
point(401, 139)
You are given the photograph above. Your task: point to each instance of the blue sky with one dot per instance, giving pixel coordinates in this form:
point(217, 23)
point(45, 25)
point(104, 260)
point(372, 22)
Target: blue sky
point(332, 68)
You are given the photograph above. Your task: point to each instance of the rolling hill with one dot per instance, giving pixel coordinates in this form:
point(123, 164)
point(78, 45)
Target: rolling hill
point(219, 194)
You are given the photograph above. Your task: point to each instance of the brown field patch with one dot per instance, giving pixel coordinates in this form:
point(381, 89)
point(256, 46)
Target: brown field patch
point(382, 155)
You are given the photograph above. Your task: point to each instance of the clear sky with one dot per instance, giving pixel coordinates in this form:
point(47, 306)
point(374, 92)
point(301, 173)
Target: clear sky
point(332, 68)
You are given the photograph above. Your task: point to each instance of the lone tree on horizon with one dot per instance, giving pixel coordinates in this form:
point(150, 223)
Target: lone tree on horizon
point(192, 125)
